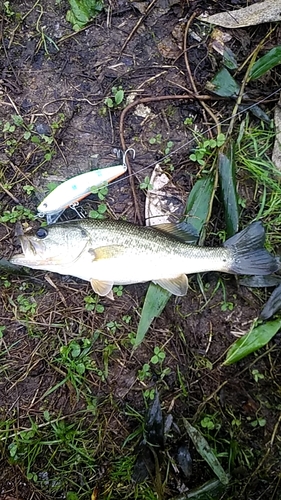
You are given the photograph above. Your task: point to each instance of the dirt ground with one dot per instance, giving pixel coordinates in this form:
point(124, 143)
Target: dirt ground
point(58, 80)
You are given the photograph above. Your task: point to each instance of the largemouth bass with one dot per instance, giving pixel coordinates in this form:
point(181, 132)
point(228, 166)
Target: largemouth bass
point(108, 253)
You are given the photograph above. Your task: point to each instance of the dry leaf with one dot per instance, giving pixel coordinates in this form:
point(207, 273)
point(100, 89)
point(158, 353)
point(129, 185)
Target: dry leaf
point(164, 202)
point(276, 155)
point(258, 13)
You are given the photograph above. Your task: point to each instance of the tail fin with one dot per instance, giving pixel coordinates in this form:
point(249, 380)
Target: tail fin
point(249, 254)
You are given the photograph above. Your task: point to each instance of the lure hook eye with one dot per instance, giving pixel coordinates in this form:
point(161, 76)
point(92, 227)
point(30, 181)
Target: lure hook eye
point(125, 154)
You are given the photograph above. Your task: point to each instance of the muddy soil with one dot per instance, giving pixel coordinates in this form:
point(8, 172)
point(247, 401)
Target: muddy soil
point(57, 81)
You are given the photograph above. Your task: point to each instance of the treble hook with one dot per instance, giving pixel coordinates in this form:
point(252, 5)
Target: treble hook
point(125, 154)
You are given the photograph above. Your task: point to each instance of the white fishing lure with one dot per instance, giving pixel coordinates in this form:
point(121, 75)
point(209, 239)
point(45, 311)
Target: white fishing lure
point(75, 189)
point(70, 192)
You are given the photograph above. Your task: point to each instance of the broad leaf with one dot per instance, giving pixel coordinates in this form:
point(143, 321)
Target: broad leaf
point(82, 11)
point(229, 192)
point(265, 63)
point(252, 341)
point(223, 84)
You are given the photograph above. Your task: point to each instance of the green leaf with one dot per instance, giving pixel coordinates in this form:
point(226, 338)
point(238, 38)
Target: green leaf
point(75, 350)
point(155, 301)
point(229, 59)
point(119, 96)
point(198, 209)
point(109, 102)
point(206, 452)
point(27, 135)
point(252, 341)
point(82, 11)
point(229, 192)
point(199, 202)
point(18, 120)
point(80, 368)
point(265, 63)
point(223, 84)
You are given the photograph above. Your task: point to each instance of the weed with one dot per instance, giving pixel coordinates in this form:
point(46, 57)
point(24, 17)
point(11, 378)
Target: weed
point(227, 306)
point(205, 148)
point(188, 121)
point(5, 282)
point(127, 318)
point(259, 422)
point(53, 453)
point(167, 151)
point(252, 159)
point(113, 326)
point(75, 358)
point(99, 213)
point(149, 394)
point(117, 99)
point(145, 372)
point(156, 139)
point(82, 11)
point(100, 191)
point(26, 304)
point(28, 189)
point(17, 213)
point(209, 422)
point(7, 9)
point(17, 130)
point(146, 184)
point(91, 304)
point(158, 357)
point(118, 290)
point(257, 375)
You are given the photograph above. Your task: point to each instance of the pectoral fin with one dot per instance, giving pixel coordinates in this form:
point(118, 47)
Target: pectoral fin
point(107, 252)
point(176, 286)
point(102, 288)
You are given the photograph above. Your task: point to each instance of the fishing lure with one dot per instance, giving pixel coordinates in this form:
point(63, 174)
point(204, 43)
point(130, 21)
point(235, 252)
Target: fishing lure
point(70, 192)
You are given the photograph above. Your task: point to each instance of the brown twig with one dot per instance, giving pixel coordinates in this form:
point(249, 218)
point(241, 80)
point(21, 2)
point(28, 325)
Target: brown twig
point(121, 131)
point(190, 76)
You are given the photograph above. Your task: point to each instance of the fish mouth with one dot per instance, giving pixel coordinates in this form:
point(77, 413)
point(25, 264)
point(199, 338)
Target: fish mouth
point(32, 252)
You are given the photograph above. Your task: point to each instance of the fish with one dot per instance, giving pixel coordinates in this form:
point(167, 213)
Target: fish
point(109, 252)
point(75, 189)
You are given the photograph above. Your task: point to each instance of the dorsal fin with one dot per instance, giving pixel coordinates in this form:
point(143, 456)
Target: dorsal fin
point(181, 231)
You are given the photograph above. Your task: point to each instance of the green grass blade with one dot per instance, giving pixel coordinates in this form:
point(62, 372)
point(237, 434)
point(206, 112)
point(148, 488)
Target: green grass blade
point(206, 452)
point(252, 341)
point(265, 63)
point(198, 210)
point(228, 191)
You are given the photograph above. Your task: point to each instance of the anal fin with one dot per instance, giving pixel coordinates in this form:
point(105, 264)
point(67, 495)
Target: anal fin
point(102, 288)
point(176, 286)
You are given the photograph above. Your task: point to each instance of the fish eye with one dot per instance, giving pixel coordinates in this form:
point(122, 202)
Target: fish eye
point(41, 233)
point(45, 205)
